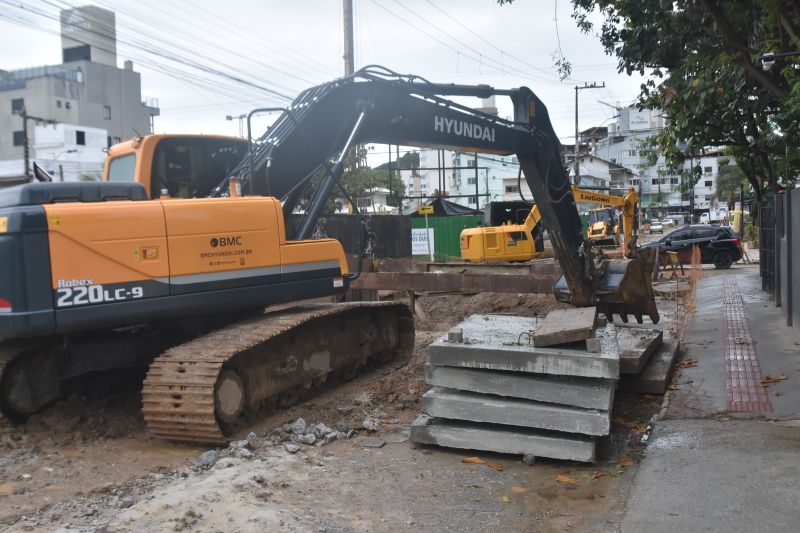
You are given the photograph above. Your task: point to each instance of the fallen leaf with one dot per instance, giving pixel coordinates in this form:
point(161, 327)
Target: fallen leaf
point(688, 363)
point(614, 473)
point(594, 497)
point(641, 428)
point(739, 340)
point(496, 466)
point(566, 479)
point(623, 422)
point(518, 490)
point(627, 461)
point(506, 499)
point(594, 476)
point(652, 398)
point(473, 460)
point(672, 386)
point(722, 418)
point(769, 380)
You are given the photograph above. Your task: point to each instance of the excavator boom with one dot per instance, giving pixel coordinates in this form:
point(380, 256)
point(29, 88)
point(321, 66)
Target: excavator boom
point(380, 106)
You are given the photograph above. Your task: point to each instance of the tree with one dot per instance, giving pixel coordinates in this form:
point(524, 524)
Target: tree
point(703, 61)
point(730, 179)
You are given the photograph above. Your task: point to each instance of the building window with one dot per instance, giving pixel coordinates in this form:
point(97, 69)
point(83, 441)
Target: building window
point(707, 170)
point(472, 181)
point(673, 181)
point(17, 105)
point(19, 138)
point(80, 137)
point(58, 104)
point(68, 105)
point(473, 200)
point(512, 188)
point(654, 182)
point(107, 112)
point(709, 183)
point(115, 140)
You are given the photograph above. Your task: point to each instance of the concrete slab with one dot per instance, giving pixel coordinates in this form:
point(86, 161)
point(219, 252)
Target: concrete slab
point(636, 345)
point(562, 326)
point(474, 407)
point(502, 439)
point(653, 379)
point(498, 342)
point(578, 392)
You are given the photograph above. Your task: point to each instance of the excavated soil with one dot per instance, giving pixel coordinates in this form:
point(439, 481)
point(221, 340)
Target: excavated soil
point(90, 464)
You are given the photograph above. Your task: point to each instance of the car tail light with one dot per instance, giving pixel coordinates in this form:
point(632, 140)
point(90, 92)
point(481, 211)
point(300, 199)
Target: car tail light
point(738, 243)
point(5, 306)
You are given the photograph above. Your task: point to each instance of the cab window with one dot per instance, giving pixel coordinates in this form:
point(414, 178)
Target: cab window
point(192, 167)
point(122, 168)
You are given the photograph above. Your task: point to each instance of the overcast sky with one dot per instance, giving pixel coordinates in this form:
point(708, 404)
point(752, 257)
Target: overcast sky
point(283, 47)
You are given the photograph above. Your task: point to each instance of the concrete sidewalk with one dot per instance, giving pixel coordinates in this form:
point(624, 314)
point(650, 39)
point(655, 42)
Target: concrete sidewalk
point(726, 457)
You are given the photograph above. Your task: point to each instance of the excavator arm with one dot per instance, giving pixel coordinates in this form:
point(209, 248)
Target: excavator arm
point(376, 105)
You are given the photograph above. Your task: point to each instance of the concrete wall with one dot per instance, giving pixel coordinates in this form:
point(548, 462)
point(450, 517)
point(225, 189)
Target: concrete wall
point(91, 26)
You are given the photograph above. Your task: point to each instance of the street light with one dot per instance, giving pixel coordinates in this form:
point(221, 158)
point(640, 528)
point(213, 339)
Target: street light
point(241, 122)
point(768, 59)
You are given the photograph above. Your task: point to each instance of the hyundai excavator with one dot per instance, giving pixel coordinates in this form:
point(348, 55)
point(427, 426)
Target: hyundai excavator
point(523, 242)
point(172, 261)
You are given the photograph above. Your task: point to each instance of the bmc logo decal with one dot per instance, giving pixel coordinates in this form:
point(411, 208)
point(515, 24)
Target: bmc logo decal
point(226, 241)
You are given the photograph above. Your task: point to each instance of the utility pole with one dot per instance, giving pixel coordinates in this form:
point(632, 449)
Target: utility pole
point(349, 60)
point(477, 192)
point(23, 114)
point(577, 179)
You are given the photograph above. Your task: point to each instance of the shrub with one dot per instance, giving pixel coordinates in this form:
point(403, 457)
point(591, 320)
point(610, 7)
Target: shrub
point(749, 233)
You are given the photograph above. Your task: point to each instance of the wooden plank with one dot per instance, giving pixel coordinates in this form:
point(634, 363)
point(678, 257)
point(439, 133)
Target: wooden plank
point(565, 325)
point(454, 282)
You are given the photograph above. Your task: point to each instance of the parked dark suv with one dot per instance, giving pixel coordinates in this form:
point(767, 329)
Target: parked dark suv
point(718, 245)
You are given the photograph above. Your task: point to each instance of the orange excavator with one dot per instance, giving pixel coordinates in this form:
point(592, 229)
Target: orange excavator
point(170, 262)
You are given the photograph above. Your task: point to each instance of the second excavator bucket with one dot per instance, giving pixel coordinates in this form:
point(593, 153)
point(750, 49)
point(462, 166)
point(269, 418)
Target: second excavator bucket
point(621, 287)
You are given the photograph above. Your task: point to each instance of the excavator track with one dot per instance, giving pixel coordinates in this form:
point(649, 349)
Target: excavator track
point(201, 390)
point(7, 354)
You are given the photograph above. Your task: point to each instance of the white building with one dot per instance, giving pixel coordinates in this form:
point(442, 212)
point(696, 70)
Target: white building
point(660, 187)
point(86, 93)
point(496, 179)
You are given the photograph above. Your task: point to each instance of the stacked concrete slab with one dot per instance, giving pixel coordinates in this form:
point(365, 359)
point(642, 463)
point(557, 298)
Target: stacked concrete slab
point(522, 385)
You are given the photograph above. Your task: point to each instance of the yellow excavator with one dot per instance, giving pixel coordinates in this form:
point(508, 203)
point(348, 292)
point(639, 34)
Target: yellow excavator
point(170, 262)
point(524, 242)
point(604, 223)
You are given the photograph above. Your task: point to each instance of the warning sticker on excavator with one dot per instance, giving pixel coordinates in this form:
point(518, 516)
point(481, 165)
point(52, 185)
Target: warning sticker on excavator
point(3, 224)
point(338, 282)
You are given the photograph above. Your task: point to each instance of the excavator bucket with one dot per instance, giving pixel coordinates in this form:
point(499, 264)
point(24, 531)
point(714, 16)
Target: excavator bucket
point(622, 287)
